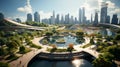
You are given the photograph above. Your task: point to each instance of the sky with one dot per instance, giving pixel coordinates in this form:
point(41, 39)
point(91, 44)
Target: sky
point(19, 8)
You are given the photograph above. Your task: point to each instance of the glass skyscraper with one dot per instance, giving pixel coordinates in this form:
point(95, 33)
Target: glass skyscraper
point(103, 12)
point(29, 17)
point(36, 17)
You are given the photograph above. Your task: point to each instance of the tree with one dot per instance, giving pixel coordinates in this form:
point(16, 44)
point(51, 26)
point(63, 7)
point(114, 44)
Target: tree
point(12, 46)
point(4, 64)
point(22, 49)
point(117, 37)
point(3, 51)
point(3, 41)
point(92, 41)
point(54, 48)
point(48, 34)
point(70, 47)
point(80, 37)
point(114, 50)
point(79, 34)
point(101, 62)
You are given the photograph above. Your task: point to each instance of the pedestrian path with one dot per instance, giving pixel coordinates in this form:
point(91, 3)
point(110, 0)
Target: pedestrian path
point(24, 60)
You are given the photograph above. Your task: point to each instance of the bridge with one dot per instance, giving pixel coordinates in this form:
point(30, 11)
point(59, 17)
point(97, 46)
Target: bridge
point(112, 25)
point(19, 25)
point(26, 58)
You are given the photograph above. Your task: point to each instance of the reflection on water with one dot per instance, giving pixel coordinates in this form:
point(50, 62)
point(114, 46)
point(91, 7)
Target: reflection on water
point(81, 63)
point(73, 63)
point(107, 32)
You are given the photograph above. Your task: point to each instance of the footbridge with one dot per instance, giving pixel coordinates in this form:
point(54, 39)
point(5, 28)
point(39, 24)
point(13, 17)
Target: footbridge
point(112, 25)
point(16, 25)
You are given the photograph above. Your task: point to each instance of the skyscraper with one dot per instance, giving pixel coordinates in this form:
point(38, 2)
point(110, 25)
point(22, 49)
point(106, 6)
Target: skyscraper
point(91, 18)
point(71, 20)
point(67, 19)
point(80, 15)
point(114, 19)
point(83, 15)
point(62, 19)
point(29, 17)
point(76, 20)
point(53, 18)
point(1, 16)
point(57, 19)
point(108, 19)
point(96, 18)
point(103, 15)
point(36, 17)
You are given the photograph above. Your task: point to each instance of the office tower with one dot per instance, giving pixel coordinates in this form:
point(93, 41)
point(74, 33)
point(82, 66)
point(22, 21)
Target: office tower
point(53, 18)
point(36, 17)
point(114, 19)
point(57, 19)
point(108, 19)
point(119, 22)
point(62, 19)
point(67, 19)
point(29, 17)
point(71, 20)
point(83, 16)
point(1, 17)
point(103, 12)
point(91, 18)
point(80, 15)
point(96, 18)
point(46, 21)
point(76, 20)
point(18, 20)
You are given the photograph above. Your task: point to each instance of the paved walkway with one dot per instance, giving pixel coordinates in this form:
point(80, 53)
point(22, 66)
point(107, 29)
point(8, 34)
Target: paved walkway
point(24, 60)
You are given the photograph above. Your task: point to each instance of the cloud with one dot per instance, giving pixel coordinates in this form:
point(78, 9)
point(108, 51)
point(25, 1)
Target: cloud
point(115, 11)
point(27, 8)
point(91, 7)
point(44, 15)
point(22, 18)
point(110, 4)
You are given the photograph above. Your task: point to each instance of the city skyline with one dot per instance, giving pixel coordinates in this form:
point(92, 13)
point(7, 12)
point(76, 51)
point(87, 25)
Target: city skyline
point(19, 9)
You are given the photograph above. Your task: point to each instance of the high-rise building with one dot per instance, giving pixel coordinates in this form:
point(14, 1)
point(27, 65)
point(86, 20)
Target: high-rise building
point(114, 19)
point(29, 17)
point(91, 18)
point(45, 21)
point(36, 17)
point(83, 15)
point(108, 19)
point(1, 16)
point(62, 19)
point(71, 20)
point(67, 19)
point(53, 18)
point(76, 20)
point(80, 15)
point(103, 15)
point(57, 19)
point(96, 18)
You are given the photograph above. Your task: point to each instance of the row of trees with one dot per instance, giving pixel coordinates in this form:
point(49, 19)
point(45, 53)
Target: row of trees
point(36, 24)
point(15, 42)
point(110, 51)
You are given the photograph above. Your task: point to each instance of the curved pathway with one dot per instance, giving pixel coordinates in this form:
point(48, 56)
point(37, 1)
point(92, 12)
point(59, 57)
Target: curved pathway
point(24, 60)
